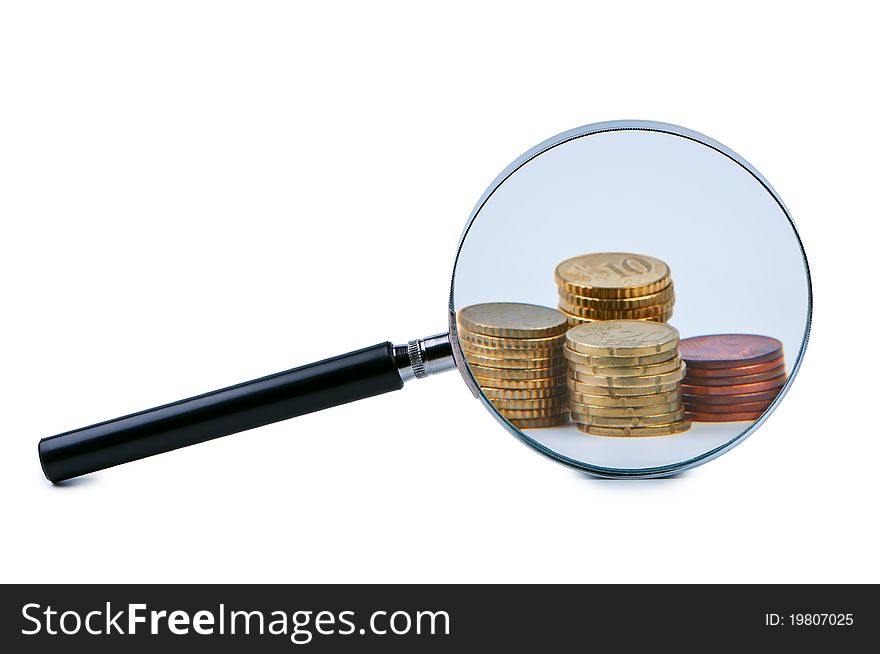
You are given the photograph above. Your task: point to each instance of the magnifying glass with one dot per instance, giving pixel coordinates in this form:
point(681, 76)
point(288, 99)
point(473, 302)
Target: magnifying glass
point(629, 298)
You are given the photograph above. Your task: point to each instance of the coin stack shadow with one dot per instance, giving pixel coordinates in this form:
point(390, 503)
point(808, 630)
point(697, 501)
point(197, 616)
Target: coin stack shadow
point(614, 286)
point(624, 379)
point(731, 377)
point(518, 363)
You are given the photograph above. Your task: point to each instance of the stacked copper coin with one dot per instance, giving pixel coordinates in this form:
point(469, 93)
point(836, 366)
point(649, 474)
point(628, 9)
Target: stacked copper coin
point(624, 378)
point(515, 353)
point(731, 377)
point(614, 286)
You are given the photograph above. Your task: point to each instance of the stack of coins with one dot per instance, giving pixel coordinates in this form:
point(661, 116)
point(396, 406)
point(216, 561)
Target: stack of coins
point(624, 378)
point(515, 353)
point(731, 377)
point(614, 286)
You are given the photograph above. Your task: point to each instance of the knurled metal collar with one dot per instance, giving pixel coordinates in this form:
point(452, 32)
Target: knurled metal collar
point(415, 359)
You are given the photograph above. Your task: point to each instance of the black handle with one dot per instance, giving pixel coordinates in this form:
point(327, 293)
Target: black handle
point(346, 378)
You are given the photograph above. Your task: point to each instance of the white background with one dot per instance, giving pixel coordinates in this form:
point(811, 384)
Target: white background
point(193, 194)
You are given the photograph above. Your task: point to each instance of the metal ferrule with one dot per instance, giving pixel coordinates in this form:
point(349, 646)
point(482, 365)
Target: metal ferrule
point(424, 357)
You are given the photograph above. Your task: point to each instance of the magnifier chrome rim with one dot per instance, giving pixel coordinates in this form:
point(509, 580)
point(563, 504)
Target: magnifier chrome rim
point(589, 130)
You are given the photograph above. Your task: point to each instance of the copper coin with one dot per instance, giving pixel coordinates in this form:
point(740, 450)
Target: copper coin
point(736, 371)
point(764, 396)
point(723, 417)
point(735, 389)
point(743, 407)
point(733, 381)
point(728, 350)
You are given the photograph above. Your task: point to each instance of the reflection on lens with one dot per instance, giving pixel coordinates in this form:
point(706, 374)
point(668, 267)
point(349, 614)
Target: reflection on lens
point(677, 279)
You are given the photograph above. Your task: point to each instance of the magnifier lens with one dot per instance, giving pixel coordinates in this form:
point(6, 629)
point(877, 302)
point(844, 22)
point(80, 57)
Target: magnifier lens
point(630, 299)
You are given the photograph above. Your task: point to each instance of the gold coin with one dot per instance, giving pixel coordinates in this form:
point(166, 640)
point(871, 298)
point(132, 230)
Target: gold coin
point(633, 401)
point(575, 321)
point(623, 411)
point(511, 354)
point(653, 311)
point(523, 394)
point(612, 274)
point(622, 338)
point(551, 404)
point(519, 375)
point(494, 343)
point(533, 423)
point(579, 370)
point(529, 414)
point(626, 391)
point(652, 381)
point(616, 362)
point(656, 430)
point(476, 360)
point(512, 320)
point(557, 383)
point(629, 421)
point(664, 296)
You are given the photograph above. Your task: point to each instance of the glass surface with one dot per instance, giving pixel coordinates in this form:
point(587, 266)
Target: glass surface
point(735, 258)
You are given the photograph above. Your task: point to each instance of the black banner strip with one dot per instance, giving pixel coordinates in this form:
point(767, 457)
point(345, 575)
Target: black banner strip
point(434, 618)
